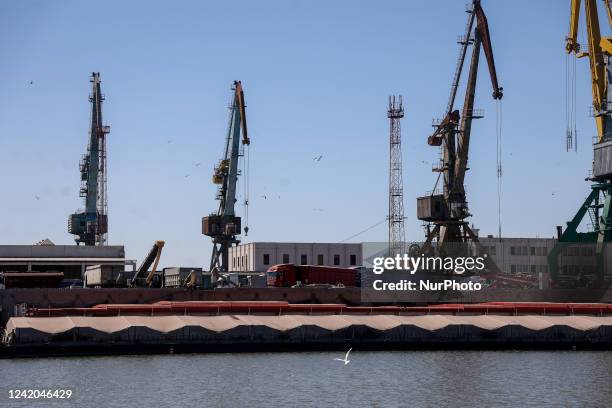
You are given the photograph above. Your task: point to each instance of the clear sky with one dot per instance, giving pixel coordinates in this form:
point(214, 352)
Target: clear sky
point(317, 75)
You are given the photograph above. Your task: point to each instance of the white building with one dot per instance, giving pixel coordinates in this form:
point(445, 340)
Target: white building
point(519, 255)
point(530, 255)
point(259, 256)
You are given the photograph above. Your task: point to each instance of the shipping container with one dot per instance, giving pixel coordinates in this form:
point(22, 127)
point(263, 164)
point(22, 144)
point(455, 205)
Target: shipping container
point(106, 276)
point(176, 277)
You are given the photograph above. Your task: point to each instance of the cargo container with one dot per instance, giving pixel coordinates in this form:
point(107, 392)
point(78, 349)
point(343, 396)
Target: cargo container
point(106, 276)
point(287, 275)
point(176, 277)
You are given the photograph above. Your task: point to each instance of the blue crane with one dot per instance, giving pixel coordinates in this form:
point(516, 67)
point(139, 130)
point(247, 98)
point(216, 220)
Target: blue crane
point(224, 226)
point(90, 226)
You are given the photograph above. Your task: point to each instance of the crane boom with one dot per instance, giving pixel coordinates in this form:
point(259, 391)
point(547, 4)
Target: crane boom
point(482, 29)
point(482, 39)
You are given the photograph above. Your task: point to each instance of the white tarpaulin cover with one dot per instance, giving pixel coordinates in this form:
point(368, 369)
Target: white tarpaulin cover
point(292, 328)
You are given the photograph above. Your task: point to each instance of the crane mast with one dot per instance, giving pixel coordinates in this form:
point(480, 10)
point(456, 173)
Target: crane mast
point(224, 226)
point(448, 211)
point(598, 204)
point(90, 226)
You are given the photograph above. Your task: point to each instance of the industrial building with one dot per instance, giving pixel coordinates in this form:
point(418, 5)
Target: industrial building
point(259, 256)
point(70, 260)
point(530, 256)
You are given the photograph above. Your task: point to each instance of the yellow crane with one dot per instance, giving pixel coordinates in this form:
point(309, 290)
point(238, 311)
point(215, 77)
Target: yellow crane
point(598, 204)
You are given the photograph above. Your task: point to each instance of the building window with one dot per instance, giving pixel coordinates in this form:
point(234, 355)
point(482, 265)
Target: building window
point(285, 258)
point(353, 260)
point(533, 269)
point(303, 259)
point(512, 250)
point(320, 260)
point(266, 259)
point(242, 261)
point(532, 251)
point(493, 250)
point(513, 268)
point(336, 260)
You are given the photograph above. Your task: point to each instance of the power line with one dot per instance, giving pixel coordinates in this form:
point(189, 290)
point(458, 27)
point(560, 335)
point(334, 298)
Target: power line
point(365, 230)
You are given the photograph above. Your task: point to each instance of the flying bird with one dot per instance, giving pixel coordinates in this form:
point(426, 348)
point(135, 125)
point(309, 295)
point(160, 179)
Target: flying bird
point(198, 164)
point(169, 141)
point(346, 357)
point(37, 197)
point(264, 197)
point(318, 158)
point(31, 82)
point(186, 175)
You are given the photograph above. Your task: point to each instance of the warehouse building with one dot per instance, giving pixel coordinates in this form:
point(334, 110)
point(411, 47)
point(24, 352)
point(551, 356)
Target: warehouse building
point(259, 256)
point(71, 260)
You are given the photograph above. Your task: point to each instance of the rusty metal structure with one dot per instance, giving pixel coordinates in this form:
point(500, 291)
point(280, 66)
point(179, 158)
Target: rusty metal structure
point(445, 212)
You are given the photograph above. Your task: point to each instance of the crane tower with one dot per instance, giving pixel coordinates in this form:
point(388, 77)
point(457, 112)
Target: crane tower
point(90, 225)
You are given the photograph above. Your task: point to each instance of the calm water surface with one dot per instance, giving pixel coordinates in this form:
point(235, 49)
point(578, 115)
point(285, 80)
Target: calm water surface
point(372, 379)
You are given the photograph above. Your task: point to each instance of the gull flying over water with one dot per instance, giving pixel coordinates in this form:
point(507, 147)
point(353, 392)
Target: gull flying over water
point(346, 357)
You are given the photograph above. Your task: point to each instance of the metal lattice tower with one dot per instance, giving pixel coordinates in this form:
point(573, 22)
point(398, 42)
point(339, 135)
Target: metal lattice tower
point(396, 185)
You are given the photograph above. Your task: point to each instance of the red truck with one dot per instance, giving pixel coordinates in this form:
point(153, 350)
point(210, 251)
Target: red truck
point(287, 275)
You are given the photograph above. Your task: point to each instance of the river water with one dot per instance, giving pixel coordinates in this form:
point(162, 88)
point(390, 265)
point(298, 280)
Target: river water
point(371, 379)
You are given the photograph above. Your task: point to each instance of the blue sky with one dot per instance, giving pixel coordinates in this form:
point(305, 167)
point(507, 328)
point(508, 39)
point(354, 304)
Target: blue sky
point(316, 75)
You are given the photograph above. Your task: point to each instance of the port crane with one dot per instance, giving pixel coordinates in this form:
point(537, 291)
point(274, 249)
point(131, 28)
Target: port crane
point(446, 211)
point(90, 226)
point(224, 226)
point(598, 204)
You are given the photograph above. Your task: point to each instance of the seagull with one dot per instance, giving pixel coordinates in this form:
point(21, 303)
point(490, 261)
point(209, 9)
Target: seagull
point(186, 175)
point(264, 197)
point(345, 359)
point(31, 82)
point(198, 164)
point(37, 197)
point(169, 141)
point(318, 158)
